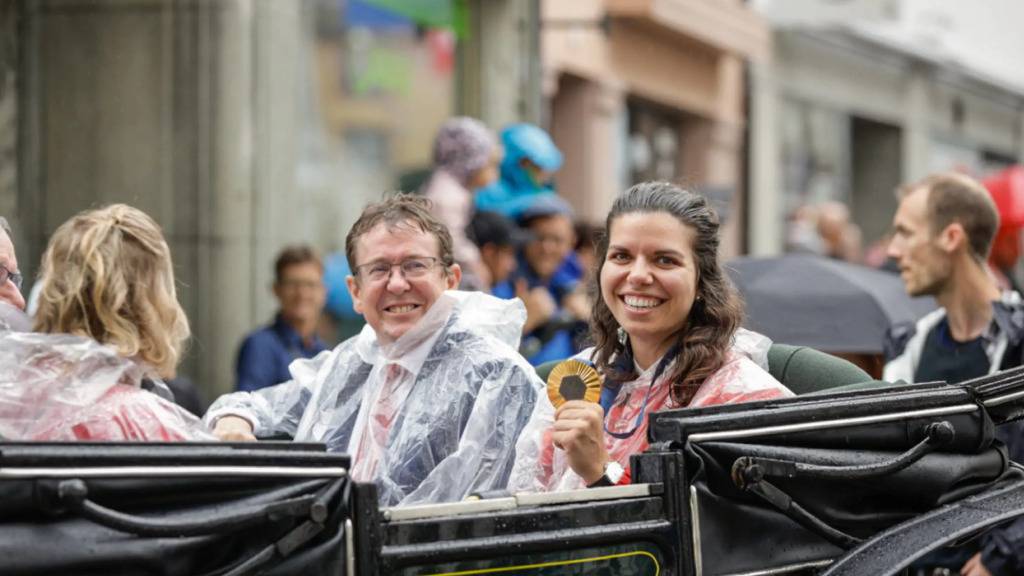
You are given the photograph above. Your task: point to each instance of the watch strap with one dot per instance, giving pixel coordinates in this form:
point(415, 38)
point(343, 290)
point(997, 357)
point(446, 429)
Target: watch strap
point(613, 473)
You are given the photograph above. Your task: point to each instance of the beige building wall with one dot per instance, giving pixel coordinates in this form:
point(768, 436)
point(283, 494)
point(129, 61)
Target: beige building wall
point(683, 56)
point(170, 107)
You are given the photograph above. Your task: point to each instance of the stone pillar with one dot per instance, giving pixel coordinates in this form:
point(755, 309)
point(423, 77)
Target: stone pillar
point(225, 290)
point(500, 77)
point(9, 55)
point(916, 131)
point(256, 207)
point(766, 221)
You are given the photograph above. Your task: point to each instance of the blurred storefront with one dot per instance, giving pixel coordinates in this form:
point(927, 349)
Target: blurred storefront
point(862, 96)
point(240, 125)
point(651, 89)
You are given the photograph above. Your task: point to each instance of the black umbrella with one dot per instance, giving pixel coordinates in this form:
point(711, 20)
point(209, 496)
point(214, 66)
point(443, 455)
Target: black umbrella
point(827, 304)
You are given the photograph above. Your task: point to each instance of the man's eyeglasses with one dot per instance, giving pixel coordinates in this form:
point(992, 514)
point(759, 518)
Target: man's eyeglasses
point(14, 277)
point(412, 268)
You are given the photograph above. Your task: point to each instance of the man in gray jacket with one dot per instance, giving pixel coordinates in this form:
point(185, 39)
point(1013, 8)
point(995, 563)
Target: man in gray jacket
point(942, 233)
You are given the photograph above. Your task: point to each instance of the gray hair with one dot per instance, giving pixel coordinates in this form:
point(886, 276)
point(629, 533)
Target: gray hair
point(6, 227)
point(463, 145)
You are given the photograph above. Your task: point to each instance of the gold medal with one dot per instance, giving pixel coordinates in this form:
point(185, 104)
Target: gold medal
point(573, 380)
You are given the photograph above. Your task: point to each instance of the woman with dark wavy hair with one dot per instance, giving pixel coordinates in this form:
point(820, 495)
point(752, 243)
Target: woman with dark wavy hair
point(666, 324)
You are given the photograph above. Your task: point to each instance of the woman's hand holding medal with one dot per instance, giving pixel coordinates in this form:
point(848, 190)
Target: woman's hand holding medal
point(574, 388)
point(579, 431)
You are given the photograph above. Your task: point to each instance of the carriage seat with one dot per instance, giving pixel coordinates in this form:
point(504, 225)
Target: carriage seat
point(806, 370)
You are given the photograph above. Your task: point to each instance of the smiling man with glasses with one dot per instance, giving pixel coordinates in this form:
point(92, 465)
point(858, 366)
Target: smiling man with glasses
point(10, 277)
point(430, 398)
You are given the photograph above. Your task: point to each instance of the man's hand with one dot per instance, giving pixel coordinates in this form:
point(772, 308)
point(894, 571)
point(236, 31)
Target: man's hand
point(579, 431)
point(233, 429)
point(974, 567)
point(540, 305)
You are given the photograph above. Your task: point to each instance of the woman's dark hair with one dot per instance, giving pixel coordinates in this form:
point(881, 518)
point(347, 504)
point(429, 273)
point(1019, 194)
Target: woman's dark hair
point(703, 342)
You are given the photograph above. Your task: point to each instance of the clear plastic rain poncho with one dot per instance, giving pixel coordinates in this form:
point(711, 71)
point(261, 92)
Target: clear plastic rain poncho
point(14, 319)
point(56, 387)
point(540, 467)
point(431, 417)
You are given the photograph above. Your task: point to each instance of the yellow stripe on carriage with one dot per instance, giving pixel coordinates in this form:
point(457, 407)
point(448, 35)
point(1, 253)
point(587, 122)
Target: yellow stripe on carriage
point(657, 566)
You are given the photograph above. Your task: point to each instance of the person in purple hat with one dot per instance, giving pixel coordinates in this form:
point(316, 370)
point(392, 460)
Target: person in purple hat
point(466, 156)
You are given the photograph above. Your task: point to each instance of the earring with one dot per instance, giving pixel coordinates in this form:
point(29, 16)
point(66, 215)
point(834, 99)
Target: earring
point(623, 336)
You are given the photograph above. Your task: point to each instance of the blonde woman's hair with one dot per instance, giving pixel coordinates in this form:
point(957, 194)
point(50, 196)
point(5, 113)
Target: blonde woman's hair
point(107, 274)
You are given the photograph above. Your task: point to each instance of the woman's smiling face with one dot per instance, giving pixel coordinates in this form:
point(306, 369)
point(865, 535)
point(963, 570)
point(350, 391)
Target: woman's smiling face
point(649, 279)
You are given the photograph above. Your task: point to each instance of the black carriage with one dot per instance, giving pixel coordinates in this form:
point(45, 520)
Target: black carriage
point(850, 482)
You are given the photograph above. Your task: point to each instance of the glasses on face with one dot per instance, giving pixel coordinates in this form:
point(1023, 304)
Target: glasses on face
point(6, 274)
point(412, 268)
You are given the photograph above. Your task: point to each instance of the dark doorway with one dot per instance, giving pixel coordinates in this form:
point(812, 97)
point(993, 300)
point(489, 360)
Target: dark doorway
point(876, 171)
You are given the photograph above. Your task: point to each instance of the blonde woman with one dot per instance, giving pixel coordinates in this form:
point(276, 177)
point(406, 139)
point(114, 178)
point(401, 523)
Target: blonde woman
point(108, 328)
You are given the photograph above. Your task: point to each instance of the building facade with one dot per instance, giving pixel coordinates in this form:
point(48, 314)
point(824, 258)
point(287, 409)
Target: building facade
point(859, 97)
point(651, 89)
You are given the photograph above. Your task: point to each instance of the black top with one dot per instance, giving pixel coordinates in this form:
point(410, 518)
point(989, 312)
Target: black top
point(943, 358)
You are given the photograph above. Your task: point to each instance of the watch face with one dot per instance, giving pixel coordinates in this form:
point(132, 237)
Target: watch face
point(614, 471)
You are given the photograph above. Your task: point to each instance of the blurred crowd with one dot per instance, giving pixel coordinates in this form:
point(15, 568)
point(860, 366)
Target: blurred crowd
point(827, 229)
point(513, 237)
point(470, 289)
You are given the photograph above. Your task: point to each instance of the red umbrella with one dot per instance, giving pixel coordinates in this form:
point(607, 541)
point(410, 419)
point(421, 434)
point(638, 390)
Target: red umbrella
point(1007, 189)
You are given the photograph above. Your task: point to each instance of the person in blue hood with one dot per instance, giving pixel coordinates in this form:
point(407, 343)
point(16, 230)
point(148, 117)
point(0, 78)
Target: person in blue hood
point(531, 160)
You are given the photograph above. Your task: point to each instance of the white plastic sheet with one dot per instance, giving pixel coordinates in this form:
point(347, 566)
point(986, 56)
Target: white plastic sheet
point(14, 319)
point(462, 396)
point(56, 387)
point(753, 345)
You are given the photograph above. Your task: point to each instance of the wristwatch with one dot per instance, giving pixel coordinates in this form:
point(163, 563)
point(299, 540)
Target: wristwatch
point(613, 472)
